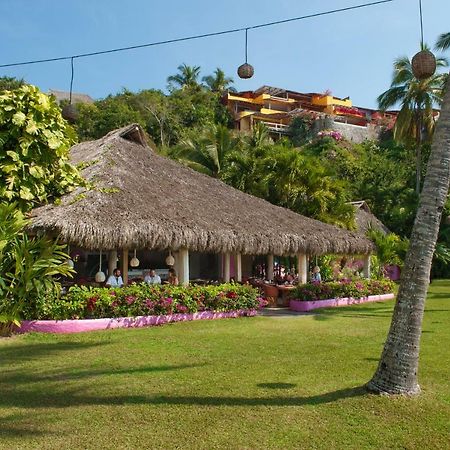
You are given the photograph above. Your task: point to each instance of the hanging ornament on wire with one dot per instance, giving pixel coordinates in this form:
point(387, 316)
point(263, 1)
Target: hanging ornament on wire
point(69, 260)
point(134, 261)
point(70, 111)
point(246, 70)
point(100, 276)
point(423, 64)
point(170, 260)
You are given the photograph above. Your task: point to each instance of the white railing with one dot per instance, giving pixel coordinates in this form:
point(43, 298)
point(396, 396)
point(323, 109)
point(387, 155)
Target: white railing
point(279, 127)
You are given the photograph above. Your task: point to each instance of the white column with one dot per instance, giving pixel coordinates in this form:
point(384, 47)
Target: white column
point(226, 268)
point(302, 268)
point(366, 267)
point(269, 271)
point(238, 266)
point(112, 261)
point(183, 266)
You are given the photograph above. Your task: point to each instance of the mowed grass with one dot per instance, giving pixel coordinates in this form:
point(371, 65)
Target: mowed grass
point(253, 383)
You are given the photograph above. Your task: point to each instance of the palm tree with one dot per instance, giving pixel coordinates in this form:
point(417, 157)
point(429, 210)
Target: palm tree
point(417, 99)
point(187, 77)
point(443, 42)
point(389, 248)
point(219, 82)
point(398, 366)
point(207, 151)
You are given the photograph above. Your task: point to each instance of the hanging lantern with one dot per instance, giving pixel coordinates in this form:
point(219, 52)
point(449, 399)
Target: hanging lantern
point(170, 260)
point(134, 261)
point(423, 64)
point(100, 277)
point(246, 70)
point(70, 263)
point(70, 113)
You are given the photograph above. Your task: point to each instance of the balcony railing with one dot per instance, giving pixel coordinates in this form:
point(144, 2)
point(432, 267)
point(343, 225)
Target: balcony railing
point(278, 127)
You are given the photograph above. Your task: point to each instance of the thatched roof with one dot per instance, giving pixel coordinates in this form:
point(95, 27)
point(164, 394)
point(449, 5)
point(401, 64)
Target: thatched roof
point(149, 201)
point(365, 219)
point(76, 96)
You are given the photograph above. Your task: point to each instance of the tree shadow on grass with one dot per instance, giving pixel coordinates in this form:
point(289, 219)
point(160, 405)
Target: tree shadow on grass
point(358, 312)
point(73, 398)
point(276, 385)
point(17, 377)
point(29, 351)
point(11, 427)
point(434, 296)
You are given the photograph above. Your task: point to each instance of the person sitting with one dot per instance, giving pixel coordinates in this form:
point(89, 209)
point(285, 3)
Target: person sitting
point(288, 278)
point(173, 279)
point(316, 274)
point(152, 277)
point(114, 280)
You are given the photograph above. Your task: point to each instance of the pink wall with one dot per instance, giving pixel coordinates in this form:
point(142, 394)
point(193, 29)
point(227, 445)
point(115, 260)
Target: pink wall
point(81, 325)
point(302, 306)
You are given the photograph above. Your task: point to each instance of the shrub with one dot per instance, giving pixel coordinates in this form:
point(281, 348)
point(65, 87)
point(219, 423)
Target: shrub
point(83, 302)
point(340, 289)
point(28, 266)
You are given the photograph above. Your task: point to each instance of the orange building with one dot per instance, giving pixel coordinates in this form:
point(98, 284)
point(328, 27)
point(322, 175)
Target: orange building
point(277, 107)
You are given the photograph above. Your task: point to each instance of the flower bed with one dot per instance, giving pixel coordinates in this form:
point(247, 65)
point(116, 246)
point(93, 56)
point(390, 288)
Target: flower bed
point(83, 302)
point(86, 308)
point(339, 293)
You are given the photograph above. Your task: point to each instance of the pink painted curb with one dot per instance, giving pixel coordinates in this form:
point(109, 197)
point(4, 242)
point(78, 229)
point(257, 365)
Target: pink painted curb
point(304, 306)
point(82, 325)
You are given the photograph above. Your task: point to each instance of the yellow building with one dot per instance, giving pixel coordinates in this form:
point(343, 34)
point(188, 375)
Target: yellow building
point(277, 107)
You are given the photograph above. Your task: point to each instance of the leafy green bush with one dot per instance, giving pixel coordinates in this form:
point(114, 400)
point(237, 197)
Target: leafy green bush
point(34, 144)
point(27, 268)
point(83, 302)
point(341, 289)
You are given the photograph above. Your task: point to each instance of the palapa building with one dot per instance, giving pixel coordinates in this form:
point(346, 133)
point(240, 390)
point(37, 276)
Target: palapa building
point(146, 202)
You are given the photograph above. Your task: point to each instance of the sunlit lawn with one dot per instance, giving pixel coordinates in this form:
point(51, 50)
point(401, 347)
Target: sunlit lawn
point(239, 383)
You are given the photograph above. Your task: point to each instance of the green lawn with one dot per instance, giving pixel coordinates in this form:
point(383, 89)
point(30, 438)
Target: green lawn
point(239, 383)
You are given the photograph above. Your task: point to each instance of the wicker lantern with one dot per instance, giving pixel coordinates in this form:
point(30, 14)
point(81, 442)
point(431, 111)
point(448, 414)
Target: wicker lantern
point(423, 64)
point(245, 71)
point(134, 261)
point(100, 277)
point(170, 260)
point(70, 113)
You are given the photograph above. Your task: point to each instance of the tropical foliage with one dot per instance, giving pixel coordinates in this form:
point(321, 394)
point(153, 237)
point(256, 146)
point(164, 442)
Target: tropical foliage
point(219, 82)
point(187, 77)
point(145, 300)
point(34, 146)
point(28, 266)
point(390, 249)
point(341, 289)
point(417, 98)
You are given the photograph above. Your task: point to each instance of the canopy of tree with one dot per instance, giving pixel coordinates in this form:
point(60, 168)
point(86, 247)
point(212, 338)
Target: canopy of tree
point(34, 146)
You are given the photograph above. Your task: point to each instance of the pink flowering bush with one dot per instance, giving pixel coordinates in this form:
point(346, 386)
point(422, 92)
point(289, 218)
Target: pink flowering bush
point(342, 288)
point(146, 300)
point(330, 133)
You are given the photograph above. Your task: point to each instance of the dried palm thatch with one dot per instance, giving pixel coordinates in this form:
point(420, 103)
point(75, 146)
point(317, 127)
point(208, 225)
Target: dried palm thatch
point(149, 201)
point(365, 220)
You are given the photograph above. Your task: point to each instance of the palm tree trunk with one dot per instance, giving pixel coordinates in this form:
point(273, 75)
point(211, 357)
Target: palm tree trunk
point(418, 149)
point(398, 366)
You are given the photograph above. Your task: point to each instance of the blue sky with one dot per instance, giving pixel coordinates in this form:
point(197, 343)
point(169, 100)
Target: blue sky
point(348, 53)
